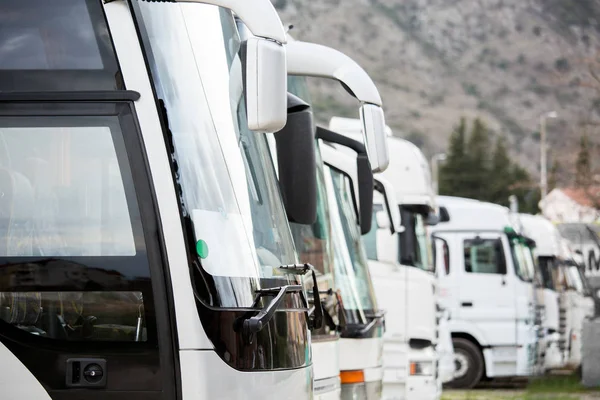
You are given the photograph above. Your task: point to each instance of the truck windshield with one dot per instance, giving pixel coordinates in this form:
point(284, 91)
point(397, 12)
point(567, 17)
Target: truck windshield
point(350, 263)
point(415, 246)
point(228, 186)
point(522, 268)
point(546, 271)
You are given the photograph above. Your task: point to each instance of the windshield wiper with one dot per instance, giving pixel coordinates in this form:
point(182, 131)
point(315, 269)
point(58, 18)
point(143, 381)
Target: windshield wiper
point(328, 317)
point(361, 330)
point(250, 326)
point(315, 313)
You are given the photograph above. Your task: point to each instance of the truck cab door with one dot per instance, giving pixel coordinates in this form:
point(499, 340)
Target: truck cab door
point(486, 295)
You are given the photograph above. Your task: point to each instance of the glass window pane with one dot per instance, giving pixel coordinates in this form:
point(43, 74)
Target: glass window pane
point(63, 192)
point(56, 45)
point(228, 181)
point(77, 316)
point(483, 256)
point(351, 271)
point(73, 259)
point(370, 239)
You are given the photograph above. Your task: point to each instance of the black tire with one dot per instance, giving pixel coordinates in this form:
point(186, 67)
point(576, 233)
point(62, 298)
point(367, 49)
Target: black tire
point(466, 350)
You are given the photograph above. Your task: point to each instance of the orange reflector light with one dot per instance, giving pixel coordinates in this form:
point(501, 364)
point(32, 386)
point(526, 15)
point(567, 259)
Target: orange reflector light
point(413, 368)
point(352, 376)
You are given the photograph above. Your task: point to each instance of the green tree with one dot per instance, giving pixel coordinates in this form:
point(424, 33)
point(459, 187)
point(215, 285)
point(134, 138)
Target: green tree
point(450, 176)
point(500, 175)
point(471, 171)
point(477, 157)
point(583, 165)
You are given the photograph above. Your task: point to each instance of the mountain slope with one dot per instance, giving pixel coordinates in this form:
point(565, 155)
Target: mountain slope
point(507, 61)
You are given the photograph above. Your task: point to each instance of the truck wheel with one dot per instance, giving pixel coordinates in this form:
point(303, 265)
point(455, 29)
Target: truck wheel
point(469, 364)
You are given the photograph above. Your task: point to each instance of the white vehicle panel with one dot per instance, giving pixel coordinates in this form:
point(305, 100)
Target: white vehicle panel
point(190, 332)
point(16, 381)
point(203, 375)
point(361, 354)
point(325, 356)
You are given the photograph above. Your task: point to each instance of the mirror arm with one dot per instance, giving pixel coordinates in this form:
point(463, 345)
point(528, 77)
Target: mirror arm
point(256, 323)
point(315, 313)
point(333, 137)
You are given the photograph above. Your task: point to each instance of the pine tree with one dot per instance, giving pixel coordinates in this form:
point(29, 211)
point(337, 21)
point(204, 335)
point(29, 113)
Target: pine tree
point(477, 168)
point(451, 172)
point(500, 175)
point(583, 177)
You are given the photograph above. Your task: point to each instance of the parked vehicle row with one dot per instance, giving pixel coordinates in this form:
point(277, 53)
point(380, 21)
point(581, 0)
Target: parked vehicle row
point(175, 225)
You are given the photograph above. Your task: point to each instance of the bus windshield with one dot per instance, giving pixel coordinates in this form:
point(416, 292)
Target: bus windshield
point(350, 263)
point(229, 190)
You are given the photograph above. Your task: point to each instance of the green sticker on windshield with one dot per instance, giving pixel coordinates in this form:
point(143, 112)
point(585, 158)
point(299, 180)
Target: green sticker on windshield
point(202, 249)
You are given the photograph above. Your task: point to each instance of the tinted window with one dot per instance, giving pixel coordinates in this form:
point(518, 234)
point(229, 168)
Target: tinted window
point(547, 275)
point(55, 45)
point(414, 246)
point(370, 239)
point(484, 256)
point(73, 262)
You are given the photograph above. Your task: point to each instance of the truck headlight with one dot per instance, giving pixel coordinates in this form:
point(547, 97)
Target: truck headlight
point(421, 368)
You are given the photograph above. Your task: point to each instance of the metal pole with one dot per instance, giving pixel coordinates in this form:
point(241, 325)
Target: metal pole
point(543, 165)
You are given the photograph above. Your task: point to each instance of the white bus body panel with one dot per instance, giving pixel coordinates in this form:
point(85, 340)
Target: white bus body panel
point(16, 381)
point(362, 354)
point(326, 369)
point(191, 335)
point(205, 376)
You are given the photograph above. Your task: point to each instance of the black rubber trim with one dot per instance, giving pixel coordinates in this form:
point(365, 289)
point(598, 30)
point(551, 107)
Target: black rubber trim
point(333, 137)
point(108, 95)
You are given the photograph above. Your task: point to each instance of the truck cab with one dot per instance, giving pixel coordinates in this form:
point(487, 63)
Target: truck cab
point(489, 291)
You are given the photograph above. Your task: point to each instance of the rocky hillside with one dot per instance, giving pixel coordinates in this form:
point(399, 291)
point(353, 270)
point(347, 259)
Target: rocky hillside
point(507, 61)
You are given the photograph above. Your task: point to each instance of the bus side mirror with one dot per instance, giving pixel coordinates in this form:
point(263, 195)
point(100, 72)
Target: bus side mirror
point(266, 84)
point(373, 121)
point(296, 162)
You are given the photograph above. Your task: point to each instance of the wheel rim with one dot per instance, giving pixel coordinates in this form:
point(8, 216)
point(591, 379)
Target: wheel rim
point(461, 365)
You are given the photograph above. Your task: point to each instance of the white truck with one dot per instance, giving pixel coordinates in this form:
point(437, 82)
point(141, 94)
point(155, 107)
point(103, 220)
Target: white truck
point(579, 306)
point(488, 290)
point(146, 251)
point(547, 251)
